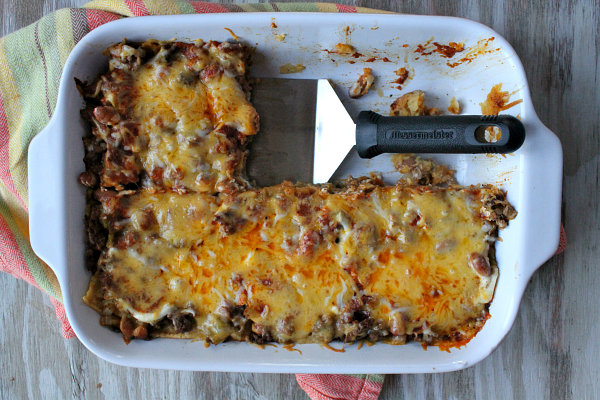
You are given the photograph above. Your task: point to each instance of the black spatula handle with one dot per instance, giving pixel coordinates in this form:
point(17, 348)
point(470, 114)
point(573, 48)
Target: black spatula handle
point(376, 134)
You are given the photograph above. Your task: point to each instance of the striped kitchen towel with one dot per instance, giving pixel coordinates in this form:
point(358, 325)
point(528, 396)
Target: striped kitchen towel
point(340, 387)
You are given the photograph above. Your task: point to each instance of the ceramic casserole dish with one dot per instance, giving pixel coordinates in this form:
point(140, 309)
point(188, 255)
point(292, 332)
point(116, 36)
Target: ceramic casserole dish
point(531, 176)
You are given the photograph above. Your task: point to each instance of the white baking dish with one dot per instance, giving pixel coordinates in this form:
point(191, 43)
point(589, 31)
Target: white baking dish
point(532, 175)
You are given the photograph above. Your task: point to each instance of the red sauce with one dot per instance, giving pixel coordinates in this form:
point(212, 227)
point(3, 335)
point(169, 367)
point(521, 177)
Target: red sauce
point(449, 50)
point(444, 50)
point(479, 49)
point(497, 101)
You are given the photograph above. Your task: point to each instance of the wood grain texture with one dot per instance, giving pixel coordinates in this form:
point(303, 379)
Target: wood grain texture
point(552, 350)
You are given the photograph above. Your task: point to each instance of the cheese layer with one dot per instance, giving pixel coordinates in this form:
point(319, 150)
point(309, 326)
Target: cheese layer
point(303, 261)
point(178, 113)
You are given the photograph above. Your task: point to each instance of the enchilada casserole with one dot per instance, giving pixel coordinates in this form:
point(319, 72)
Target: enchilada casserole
point(182, 245)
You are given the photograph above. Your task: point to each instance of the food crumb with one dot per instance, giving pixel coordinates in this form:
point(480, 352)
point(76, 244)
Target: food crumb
point(492, 134)
point(291, 347)
point(421, 171)
point(236, 37)
point(344, 48)
point(291, 69)
point(402, 73)
point(362, 85)
point(454, 107)
point(412, 104)
point(278, 36)
point(450, 50)
point(327, 346)
point(402, 76)
point(497, 101)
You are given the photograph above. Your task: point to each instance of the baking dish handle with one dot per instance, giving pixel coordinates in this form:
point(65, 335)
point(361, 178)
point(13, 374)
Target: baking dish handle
point(543, 183)
point(46, 174)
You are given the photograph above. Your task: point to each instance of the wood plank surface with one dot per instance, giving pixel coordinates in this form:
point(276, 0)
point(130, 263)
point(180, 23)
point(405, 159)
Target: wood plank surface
point(552, 350)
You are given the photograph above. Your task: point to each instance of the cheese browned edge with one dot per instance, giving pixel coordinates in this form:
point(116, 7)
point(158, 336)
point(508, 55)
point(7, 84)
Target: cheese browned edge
point(293, 263)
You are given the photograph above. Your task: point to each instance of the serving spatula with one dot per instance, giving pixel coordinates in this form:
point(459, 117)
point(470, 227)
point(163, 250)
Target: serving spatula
point(306, 132)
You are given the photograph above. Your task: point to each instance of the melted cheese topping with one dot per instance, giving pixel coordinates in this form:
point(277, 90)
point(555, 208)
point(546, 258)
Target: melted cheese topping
point(191, 114)
point(295, 258)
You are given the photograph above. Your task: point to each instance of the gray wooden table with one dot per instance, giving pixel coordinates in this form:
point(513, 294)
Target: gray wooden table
point(552, 350)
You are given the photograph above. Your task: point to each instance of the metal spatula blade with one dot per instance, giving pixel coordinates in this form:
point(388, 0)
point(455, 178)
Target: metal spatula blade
point(284, 147)
point(306, 132)
point(335, 133)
